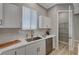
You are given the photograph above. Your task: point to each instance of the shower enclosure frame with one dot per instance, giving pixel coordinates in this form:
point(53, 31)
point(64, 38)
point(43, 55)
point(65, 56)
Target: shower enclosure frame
point(71, 36)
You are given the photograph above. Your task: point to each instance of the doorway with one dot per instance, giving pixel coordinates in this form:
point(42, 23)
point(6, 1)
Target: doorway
point(64, 29)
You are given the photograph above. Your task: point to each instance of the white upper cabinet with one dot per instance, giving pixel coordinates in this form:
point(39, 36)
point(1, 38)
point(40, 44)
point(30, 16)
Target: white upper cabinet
point(76, 8)
point(34, 19)
point(11, 16)
point(26, 17)
point(29, 18)
point(44, 22)
point(1, 11)
point(16, 51)
point(1, 14)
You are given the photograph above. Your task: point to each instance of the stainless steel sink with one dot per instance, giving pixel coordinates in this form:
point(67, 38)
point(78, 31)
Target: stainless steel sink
point(33, 39)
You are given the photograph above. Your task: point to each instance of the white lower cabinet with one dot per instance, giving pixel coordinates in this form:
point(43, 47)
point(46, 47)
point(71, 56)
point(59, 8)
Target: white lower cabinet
point(32, 50)
point(21, 51)
point(10, 52)
point(37, 48)
point(17, 51)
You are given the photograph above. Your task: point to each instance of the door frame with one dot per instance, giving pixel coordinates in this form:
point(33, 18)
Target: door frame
point(70, 17)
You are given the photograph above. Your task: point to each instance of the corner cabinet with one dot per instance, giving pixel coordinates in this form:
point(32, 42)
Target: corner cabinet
point(44, 22)
point(29, 18)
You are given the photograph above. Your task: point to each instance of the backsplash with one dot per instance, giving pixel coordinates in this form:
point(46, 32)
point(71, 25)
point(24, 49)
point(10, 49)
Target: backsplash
point(10, 34)
point(27, 33)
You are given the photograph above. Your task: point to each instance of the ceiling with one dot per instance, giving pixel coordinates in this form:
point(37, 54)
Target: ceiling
point(47, 5)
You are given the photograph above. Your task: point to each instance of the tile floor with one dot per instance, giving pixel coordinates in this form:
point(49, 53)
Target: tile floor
point(63, 50)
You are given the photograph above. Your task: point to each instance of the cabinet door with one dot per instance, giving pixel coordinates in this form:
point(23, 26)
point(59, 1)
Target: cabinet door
point(12, 16)
point(47, 22)
point(17, 51)
point(44, 22)
point(34, 18)
point(32, 49)
point(21, 51)
point(26, 16)
point(10, 52)
point(41, 48)
point(40, 22)
point(1, 11)
point(37, 48)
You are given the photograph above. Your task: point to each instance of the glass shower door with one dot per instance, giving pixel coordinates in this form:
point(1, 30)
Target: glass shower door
point(65, 28)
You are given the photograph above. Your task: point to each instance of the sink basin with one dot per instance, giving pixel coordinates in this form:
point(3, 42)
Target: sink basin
point(33, 39)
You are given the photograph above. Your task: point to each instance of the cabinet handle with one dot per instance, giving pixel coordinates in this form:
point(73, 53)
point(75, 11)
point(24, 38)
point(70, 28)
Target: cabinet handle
point(15, 53)
point(38, 50)
point(0, 22)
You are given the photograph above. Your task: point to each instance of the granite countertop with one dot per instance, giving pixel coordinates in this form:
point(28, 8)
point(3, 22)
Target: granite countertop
point(23, 43)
